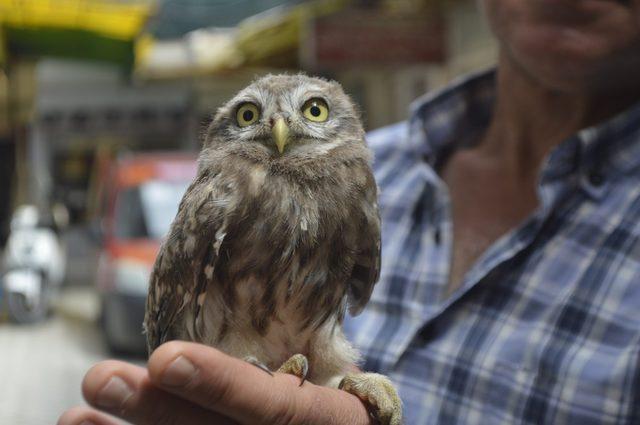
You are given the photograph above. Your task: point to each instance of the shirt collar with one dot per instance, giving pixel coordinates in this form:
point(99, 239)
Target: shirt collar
point(454, 117)
point(613, 147)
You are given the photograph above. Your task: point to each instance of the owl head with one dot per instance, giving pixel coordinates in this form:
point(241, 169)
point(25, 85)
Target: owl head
point(286, 116)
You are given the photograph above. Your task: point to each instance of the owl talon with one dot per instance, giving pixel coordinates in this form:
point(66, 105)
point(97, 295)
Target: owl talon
point(378, 393)
point(257, 363)
point(297, 365)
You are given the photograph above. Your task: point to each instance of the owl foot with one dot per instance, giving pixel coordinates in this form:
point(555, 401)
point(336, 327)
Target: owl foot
point(257, 363)
point(378, 393)
point(297, 365)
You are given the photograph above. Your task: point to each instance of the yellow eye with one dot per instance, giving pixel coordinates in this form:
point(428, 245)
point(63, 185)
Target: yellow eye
point(247, 114)
point(315, 110)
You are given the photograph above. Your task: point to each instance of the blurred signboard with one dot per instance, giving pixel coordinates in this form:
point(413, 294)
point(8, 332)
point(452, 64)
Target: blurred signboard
point(111, 18)
point(3, 52)
point(355, 38)
point(86, 29)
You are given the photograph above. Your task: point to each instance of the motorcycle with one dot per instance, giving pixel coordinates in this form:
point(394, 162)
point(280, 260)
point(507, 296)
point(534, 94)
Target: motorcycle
point(34, 264)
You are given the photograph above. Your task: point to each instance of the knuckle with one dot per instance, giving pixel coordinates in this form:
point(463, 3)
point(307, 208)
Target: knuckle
point(150, 413)
point(149, 405)
point(214, 392)
point(282, 415)
point(161, 417)
point(284, 410)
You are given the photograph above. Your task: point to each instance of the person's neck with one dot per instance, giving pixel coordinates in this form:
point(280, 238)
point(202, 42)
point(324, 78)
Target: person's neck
point(529, 119)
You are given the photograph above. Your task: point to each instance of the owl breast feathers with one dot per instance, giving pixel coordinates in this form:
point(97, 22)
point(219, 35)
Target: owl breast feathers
point(279, 233)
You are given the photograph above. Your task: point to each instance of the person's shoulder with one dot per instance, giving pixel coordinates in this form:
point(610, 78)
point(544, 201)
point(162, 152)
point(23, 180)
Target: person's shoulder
point(392, 153)
point(383, 135)
point(385, 140)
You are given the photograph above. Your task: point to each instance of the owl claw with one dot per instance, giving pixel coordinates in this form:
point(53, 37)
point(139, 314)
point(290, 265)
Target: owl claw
point(257, 363)
point(297, 365)
point(378, 393)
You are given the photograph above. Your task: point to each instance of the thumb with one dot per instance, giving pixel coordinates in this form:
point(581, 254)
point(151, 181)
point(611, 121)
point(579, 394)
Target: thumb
point(243, 392)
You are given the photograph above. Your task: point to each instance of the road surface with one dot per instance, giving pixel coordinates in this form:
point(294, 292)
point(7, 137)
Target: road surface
point(41, 366)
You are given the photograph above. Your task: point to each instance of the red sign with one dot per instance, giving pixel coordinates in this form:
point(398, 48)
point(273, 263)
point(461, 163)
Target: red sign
point(354, 38)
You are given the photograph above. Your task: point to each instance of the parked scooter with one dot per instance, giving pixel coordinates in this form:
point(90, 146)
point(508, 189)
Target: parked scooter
point(34, 265)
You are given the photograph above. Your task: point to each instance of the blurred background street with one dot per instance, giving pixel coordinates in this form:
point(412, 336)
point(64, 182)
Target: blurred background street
point(44, 362)
point(102, 103)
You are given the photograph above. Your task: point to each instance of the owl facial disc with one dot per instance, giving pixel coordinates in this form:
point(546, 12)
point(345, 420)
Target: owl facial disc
point(280, 133)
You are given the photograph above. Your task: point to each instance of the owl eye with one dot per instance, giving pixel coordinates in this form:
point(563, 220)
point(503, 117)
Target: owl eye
point(248, 113)
point(315, 110)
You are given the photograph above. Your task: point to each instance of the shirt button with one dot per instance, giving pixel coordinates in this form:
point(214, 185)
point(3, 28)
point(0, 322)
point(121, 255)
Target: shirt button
point(437, 236)
point(596, 178)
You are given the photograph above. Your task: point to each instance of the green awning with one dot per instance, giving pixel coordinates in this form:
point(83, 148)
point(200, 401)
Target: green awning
point(103, 30)
point(68, 43)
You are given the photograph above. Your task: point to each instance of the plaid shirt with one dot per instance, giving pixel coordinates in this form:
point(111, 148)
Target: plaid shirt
point(545, 328)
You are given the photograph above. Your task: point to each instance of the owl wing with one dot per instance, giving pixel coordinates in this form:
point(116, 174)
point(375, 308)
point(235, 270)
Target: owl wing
point(366, 270)
point(184, 266)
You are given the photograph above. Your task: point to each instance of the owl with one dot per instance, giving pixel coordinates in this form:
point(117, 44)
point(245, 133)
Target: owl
point(277, 238)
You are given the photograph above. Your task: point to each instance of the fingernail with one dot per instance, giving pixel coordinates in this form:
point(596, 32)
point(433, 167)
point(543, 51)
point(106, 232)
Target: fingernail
point(114, 393)
point(178, 373)
point(85, 422)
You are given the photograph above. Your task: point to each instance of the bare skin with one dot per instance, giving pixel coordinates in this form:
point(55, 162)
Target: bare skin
point(565, 65)
point(219, 389)
point(493, 186)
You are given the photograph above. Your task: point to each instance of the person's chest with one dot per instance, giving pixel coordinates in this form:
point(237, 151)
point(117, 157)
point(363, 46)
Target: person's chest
point(545, 326)
point(487, 201)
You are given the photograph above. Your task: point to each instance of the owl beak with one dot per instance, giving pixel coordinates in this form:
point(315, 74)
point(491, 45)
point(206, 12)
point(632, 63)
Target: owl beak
point(280, 132)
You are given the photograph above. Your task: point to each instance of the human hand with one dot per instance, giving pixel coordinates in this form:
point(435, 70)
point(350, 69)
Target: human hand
point(216, 389)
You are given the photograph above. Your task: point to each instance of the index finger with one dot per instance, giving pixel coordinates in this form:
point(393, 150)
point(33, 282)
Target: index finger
point(236, 389)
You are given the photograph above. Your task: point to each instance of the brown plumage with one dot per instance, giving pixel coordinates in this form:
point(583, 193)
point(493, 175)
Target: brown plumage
point(278, 234)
